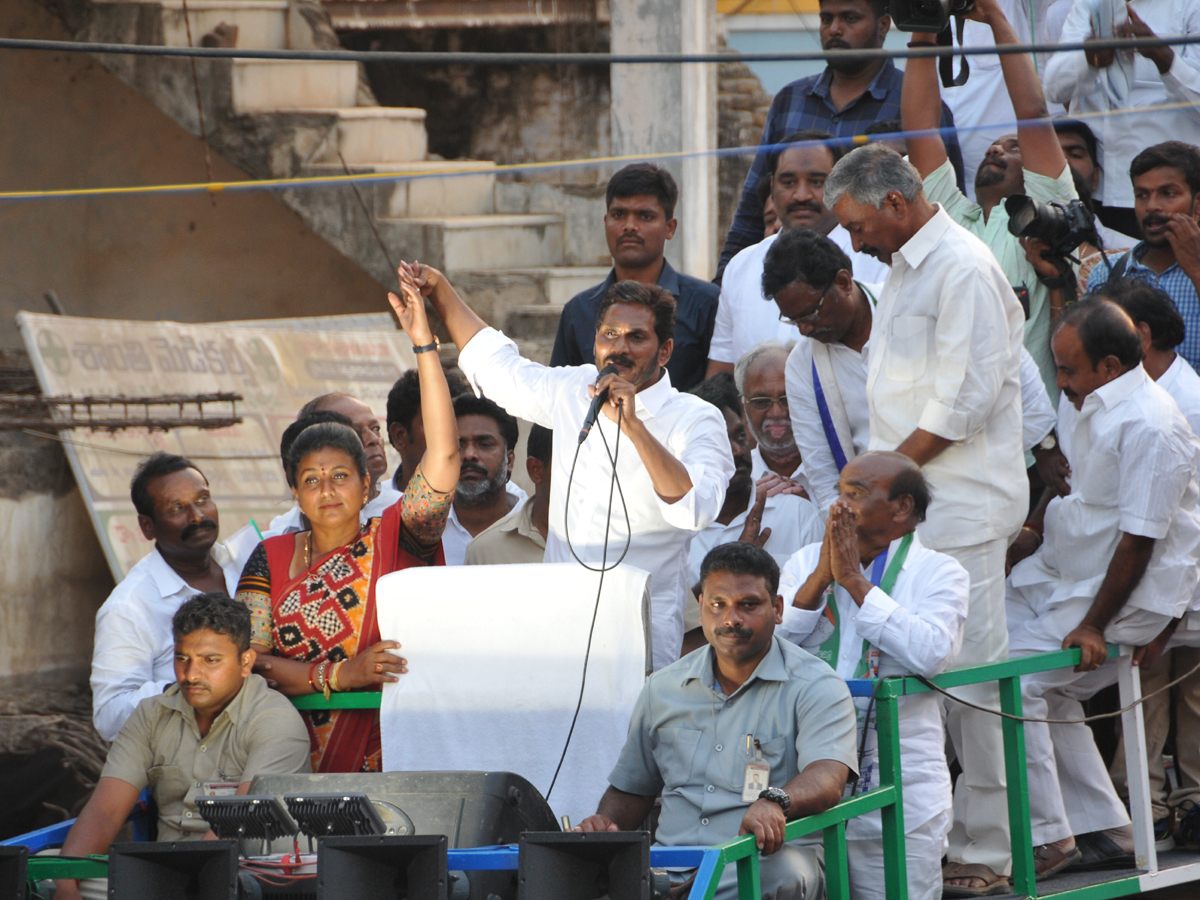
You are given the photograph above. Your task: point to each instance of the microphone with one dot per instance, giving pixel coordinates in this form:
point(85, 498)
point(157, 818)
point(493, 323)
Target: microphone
point(597, 402)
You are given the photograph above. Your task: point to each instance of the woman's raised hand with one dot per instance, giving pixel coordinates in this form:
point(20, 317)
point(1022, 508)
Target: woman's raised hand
point(409, 306)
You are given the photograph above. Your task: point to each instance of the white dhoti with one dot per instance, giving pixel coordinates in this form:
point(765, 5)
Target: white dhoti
point(923, 850)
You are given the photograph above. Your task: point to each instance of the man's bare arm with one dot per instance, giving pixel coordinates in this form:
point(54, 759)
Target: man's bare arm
point(460, 320)
point(921, 110)
point(922, 446)
point(98, 824)
point(715, 368)
point(1125, 571)
point(814, 790)
point(618, 811)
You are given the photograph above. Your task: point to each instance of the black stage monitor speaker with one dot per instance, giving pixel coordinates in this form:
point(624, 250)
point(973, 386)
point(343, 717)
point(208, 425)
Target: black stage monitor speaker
point(13, 868)
point(382, 867)
point(584, 865)
point(184, 870)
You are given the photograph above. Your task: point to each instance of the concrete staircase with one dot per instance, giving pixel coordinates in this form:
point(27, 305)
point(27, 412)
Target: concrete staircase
point(291, 118)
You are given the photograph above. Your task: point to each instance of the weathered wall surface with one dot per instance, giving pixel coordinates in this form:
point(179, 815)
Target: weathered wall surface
point(70, 123)
point(742, 107)
point(53, 576)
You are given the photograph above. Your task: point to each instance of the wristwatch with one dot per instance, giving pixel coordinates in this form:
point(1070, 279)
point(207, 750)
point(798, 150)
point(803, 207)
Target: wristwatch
point(428, 348)
point(1049, 442)
point(777, 795)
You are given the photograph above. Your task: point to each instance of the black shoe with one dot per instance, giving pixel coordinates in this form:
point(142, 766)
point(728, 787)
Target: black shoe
point(1163, 839)
point(1100, 852)
point(1187, 833)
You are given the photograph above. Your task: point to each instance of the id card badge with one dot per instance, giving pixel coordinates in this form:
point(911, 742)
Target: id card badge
point(218, 789)
point(757, 777)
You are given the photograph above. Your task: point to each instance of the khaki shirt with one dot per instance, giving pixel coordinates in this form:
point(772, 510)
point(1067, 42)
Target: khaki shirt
point(512, 539)
point(160, 747)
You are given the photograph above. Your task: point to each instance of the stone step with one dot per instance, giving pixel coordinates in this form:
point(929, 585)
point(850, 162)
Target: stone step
point(379, 134)
point(261, 24)
point(495, 294)
point(477, 242)
point(427, 197)
point(533, 323)
point(271, 85)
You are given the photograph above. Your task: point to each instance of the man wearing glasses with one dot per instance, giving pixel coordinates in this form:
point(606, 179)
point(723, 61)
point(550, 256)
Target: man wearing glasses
point(811, 281)
point(759, 376)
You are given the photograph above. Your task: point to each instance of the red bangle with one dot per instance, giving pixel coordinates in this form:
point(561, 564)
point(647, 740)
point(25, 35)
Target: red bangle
point(311, 670)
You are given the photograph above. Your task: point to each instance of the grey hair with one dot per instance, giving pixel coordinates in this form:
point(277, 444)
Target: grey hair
point(748, 358)
point(868, 174)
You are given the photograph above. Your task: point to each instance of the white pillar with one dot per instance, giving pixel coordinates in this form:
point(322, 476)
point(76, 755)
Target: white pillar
point(667, 108)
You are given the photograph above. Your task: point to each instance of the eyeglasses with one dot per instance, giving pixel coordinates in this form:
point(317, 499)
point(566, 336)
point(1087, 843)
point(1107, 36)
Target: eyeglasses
point(811, 318)
point(762, 404)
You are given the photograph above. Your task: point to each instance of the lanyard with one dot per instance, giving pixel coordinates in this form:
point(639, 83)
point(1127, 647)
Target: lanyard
point(831, 438)
point(883, 576)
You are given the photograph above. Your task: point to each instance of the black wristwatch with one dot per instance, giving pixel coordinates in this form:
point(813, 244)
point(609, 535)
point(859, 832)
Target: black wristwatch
point(777, 795)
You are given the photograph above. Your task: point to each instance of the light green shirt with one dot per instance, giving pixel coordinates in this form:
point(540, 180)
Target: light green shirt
point(689, 740)
point(941, 188)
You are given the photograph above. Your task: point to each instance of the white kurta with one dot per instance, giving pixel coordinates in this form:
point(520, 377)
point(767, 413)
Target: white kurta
point(1138, 124)
point(745, 318)
point(759, 468)
point(133, 656)
point(945, 356)
point(691, 429)
point(918, 628)
point(1133, 470)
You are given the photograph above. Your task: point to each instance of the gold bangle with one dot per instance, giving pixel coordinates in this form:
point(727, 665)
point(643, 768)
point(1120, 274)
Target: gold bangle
point(333, 676)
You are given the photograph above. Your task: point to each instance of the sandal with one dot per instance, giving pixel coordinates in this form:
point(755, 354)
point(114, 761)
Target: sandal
point(1050, 859)
point(992, 883)
point(1098, 851)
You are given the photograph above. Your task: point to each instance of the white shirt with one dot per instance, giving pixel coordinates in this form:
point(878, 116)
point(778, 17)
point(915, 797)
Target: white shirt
point(1183, 384)
point(455, 538)
point(794, 523)
point(745, 318)
point(918, 629)
point(945, 357)
point(290, 521)
point(133, 656)
point(691, 429)
point(1068, 78)
point(759, 468)
point(1133, 470)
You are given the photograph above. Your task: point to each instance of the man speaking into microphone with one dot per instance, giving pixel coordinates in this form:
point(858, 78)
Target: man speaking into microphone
point(672, 453)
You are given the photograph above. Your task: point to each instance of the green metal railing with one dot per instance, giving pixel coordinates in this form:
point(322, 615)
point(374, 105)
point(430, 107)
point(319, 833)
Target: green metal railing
point(887, 797)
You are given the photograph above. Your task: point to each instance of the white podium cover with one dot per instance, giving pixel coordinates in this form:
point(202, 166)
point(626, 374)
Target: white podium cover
point(495, 658)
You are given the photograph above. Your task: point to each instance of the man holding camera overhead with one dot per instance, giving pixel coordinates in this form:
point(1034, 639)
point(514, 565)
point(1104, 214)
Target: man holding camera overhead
point(1029, 162)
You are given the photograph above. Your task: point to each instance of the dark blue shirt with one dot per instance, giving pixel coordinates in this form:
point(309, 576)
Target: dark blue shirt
point(806, 104)
point(695, 315)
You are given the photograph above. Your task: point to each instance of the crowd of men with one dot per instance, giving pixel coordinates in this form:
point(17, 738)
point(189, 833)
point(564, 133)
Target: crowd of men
point(891, 437)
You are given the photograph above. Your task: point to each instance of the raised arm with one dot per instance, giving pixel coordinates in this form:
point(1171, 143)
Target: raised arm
point(439, 465)
point(461, 321)
point(921, 110)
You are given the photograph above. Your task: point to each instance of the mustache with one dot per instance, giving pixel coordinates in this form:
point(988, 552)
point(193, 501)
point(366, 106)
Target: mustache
point(474, 467)
point(835, 44)
point(804, 204)
point(196, 684)
point(619, 359)
point(1154, 220)
point(190, 530)
point(632, 237)
point(731, 631)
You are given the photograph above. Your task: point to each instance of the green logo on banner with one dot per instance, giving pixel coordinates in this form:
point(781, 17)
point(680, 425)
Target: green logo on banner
point(54, 351)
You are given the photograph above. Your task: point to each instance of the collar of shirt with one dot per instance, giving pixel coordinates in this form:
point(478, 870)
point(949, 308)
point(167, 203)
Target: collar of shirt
point(1117, 390)
point(878, 88)
point(173, 698)
point(668, 279)
point(770, 668)
point(1135, 261)
point(921, 244)
point(168, 582)
point(651, 400)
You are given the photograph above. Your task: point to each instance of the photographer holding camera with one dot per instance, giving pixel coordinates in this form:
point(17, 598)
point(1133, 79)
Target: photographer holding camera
point(1029, 162)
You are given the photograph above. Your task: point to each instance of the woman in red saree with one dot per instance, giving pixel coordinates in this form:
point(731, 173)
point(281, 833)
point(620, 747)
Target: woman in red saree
point(311, 594)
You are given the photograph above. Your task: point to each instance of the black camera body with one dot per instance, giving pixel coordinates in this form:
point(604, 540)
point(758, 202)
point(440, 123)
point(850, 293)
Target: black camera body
point(1061, 226)
point(931, 16)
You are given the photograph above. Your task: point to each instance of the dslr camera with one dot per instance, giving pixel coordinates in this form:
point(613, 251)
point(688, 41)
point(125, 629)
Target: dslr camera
point(1061, 226)
point(932, 16)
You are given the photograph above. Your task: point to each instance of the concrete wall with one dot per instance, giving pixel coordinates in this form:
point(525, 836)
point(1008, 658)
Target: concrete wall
point(70, 123)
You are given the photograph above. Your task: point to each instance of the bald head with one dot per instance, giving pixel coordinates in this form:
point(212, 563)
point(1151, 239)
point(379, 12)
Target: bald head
point(365, 423)
point(887, 492)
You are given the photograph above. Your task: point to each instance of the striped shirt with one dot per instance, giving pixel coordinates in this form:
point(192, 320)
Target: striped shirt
point(1174, 283)
point(806, 104)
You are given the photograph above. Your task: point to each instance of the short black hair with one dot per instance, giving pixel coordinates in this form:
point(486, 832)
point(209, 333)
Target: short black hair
point(911, 482)
point(1146, 303)
point(739, 558)
point(1079, 127)
point(658, 300)
point(762, 190)
point(884, 126)
point(326, 436)
point(879, 8)
point(293, 431)
point(470, 405)
point(836, 148)
point(540, 444)
point(800, 254)
point(1104, 329)
point(721, 391)
point(1175, 154)
point(156, 466)
point(404, 399)
point(637, 179)
point(217, 612)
